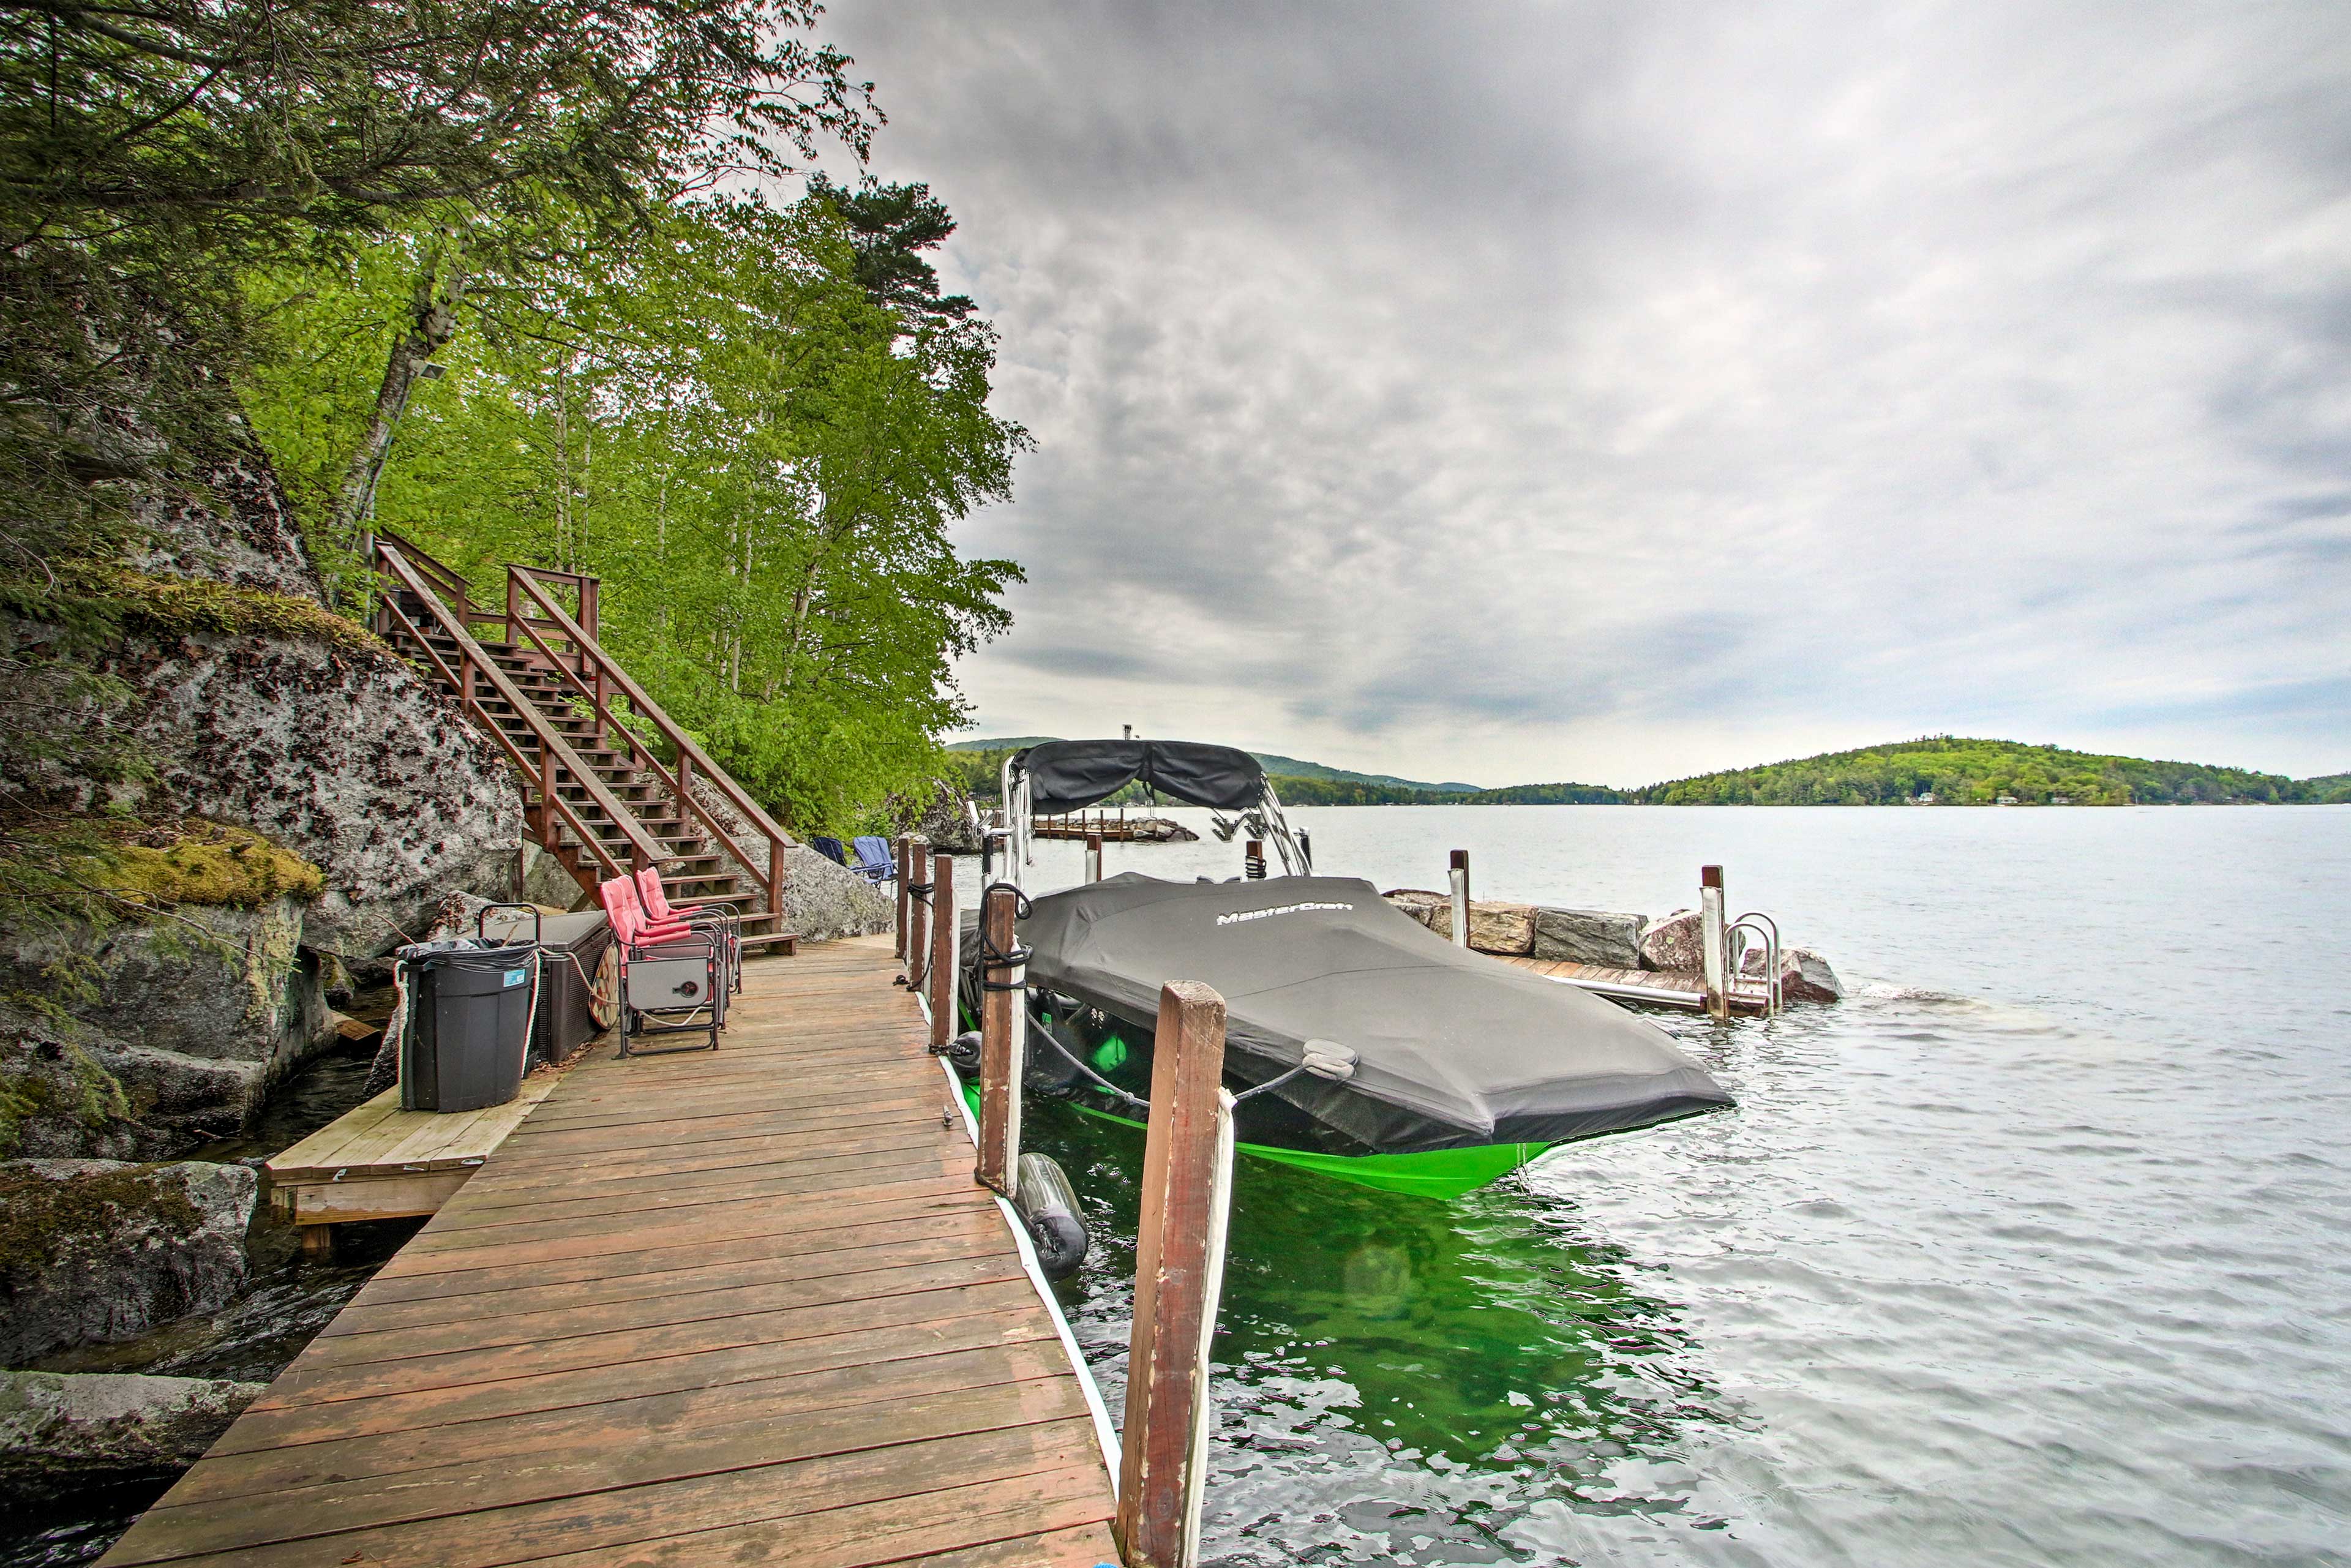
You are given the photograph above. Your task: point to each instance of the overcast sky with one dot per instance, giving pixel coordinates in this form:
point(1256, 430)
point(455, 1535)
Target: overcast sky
point(1526, 392)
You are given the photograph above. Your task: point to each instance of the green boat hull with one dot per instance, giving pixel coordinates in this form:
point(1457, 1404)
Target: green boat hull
point(1431, 1173)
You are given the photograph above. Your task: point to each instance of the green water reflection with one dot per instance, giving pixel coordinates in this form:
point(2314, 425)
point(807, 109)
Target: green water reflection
point(1486, 1354)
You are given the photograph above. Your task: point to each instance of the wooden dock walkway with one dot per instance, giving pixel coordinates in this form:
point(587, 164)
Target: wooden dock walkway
point(1647, 988)
point(736, 1307)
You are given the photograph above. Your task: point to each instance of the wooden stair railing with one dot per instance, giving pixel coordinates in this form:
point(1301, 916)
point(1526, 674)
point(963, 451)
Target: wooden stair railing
point(595, 676)
point(556, 768)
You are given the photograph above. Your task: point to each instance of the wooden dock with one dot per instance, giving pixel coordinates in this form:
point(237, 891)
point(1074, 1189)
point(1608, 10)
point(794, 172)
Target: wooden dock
point(379, 1162)
point(745, 1306)
point(1120, 828)
point(1644, 988)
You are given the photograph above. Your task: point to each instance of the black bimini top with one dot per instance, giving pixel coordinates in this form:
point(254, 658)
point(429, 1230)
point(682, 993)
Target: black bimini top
point(1071, 775)
point(1453, 1049)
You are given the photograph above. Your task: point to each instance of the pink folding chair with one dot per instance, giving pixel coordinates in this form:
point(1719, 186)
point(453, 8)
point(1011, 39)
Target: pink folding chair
point(713, 914)
point(672, 976)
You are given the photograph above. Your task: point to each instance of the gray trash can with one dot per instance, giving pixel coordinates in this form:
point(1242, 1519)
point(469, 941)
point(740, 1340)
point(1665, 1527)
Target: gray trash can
point(469, 1013)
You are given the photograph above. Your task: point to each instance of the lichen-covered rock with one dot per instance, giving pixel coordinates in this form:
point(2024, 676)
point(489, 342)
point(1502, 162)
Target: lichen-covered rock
point(1677, 942)
point(97, 1251)
point(338, 750)
point(1601, 936)
point(61, 1432)
point(1804, 974)
point(238, 530)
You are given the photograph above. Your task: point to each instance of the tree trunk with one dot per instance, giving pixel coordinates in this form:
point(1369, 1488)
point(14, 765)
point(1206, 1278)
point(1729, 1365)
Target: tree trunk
point(431, 322)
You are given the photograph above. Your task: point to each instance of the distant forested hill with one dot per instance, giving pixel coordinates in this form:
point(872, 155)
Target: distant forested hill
point(1548, 795)
point(1956, 771)
point(1965, 772)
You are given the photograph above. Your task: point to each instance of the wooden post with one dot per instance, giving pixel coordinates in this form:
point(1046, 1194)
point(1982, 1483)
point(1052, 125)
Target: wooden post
point(1001, 1022)
point(942, 974)
point(1253, 859)
point(918, 935)
point(1093, 856)
point(1187, 1164)
point(775, 888)
point(1710, 933)
point(904, 846)
point(1460, 875)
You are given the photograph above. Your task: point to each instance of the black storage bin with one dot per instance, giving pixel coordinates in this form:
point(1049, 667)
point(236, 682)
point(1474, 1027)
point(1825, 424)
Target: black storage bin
point(468, 1014)
point(569, 947)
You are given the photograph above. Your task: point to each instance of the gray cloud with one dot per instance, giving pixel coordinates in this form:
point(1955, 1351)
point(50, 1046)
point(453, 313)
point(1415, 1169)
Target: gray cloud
point(1516, 392)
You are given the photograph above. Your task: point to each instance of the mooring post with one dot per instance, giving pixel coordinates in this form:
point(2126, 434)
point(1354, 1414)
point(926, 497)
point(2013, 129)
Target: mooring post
point(1093, 856)
point(1460, 874)
point(918, 909)
point(1001, 1022)
point(1253, 859)
point(905, 856)
point(942, 974)
point(1179, 1264)
point(1710, 938)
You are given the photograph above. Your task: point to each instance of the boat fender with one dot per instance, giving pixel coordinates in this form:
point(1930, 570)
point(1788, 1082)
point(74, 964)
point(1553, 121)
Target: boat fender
point(964, 1050)
point(1049, 1206)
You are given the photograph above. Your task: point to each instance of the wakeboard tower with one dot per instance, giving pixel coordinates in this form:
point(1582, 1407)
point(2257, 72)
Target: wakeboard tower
point(1358, 1043)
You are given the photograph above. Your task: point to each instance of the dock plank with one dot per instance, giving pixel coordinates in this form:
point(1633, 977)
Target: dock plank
point(734, 1306)
point(1650, 988)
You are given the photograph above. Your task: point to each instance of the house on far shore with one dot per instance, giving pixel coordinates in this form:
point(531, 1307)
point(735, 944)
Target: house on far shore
point(1924, 797)
point(2061, 800)
point(2006, 800)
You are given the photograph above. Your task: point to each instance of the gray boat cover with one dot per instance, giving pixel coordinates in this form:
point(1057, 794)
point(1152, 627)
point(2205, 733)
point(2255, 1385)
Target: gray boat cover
point(1071, 775)
point(1455, 1049)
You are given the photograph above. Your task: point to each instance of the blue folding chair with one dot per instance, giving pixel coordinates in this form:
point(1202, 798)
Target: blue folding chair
point(829, 849)
point(873, 858)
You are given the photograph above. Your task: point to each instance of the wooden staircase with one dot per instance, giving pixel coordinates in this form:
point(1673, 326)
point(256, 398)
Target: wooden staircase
point(603, 796)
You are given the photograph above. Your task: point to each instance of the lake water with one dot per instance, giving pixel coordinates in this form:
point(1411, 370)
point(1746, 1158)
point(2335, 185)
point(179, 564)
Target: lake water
point(2033, 1251)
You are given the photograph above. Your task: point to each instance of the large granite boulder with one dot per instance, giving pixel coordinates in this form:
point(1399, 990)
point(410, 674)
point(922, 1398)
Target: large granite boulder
point(1505, 929)
point(330, 745)
point(1804, 974)
point(66, 1094)
point(62, 1432)
point(97, 1251)
point(1676, 942)
point(1598, 937)
point(218, 983)
point(1432, 909)
point(821, 900)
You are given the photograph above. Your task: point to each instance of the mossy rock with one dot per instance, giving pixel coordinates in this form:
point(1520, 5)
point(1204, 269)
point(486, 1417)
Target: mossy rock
point(212, 863)
point(97, 1253)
